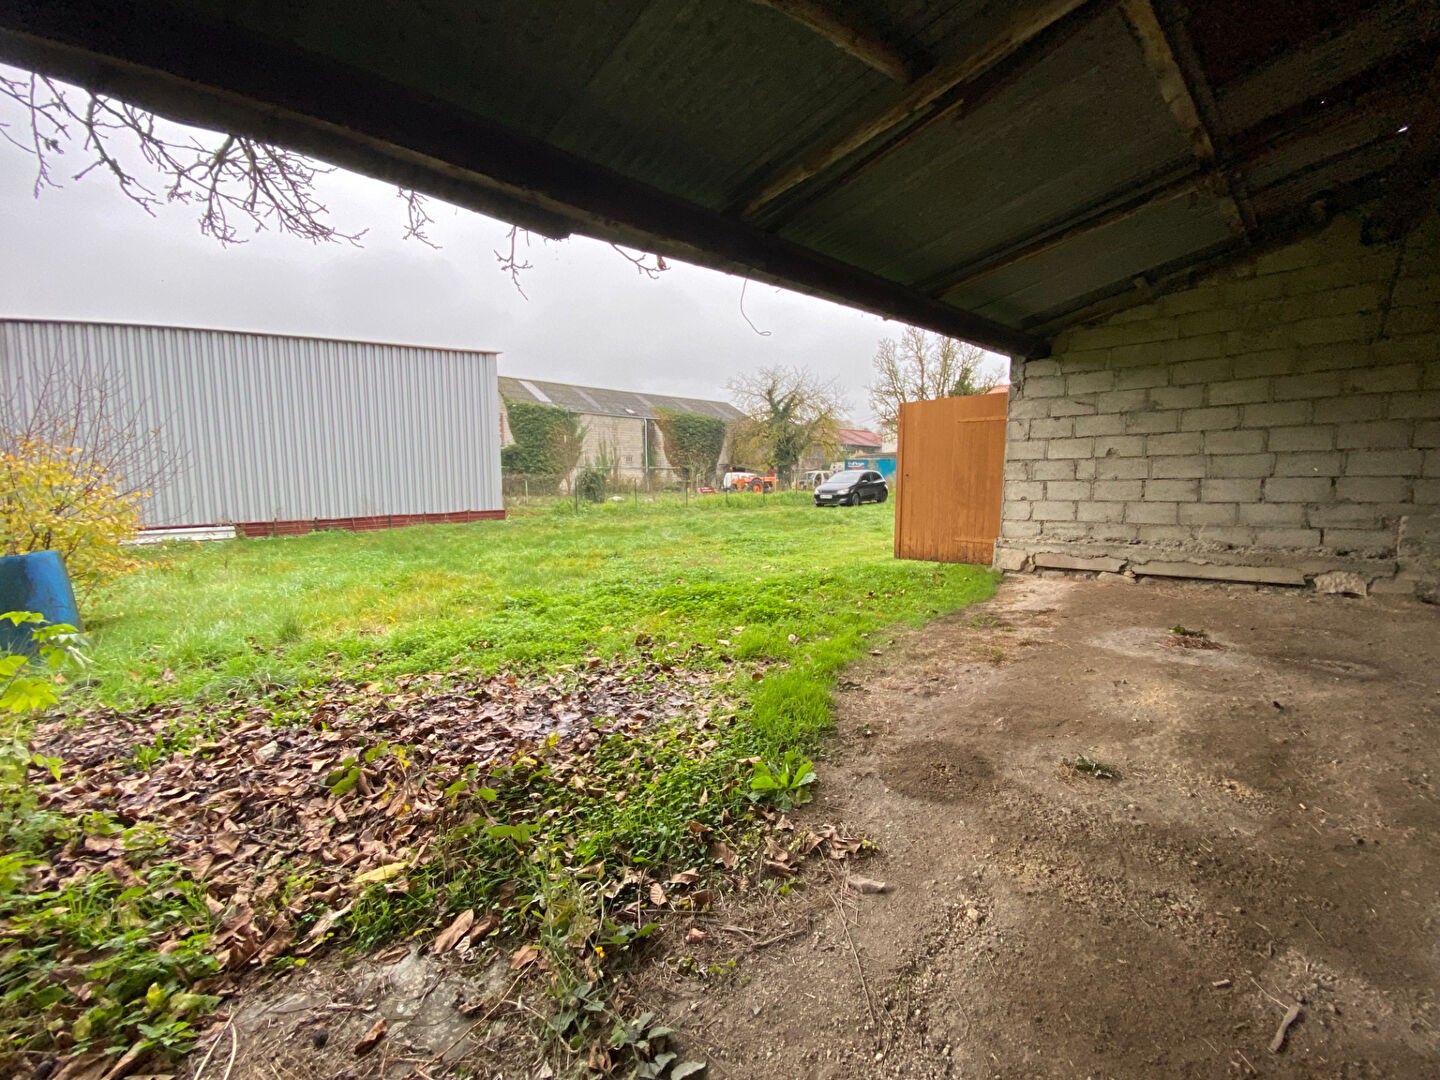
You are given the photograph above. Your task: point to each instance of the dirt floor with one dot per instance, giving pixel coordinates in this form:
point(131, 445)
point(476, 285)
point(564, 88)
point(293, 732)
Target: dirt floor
point(1271, 840)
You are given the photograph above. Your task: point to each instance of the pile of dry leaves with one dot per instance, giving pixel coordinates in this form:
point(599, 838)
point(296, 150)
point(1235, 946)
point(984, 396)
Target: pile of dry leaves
point(278, 820)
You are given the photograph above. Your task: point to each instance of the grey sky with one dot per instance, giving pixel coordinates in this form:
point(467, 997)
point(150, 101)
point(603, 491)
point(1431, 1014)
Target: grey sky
point(85, 252)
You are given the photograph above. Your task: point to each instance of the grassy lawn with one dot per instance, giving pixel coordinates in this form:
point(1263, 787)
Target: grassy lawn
point(742, 611)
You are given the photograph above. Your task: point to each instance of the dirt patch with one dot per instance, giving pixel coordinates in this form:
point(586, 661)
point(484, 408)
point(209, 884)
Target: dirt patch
point(1272, 839)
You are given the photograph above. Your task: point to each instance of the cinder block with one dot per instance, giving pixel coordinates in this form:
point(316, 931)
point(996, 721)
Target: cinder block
point(1112, 532)
point(1281, 361)
point(1104, 424)
point(1043, 387)
point(1323, 384)
point(1172, 490)
point(1053, 511)
point(1118, 468)
point(1092, 382)
point(1242, 465)
point(1238, 536)
point(1299, 489)
point(1020, 530)
point(1120, 446)
point(1214, 490)
point(1384, 462)
point(1117, 490)
point(1377, 435)
point(1071, 407)
point(1067, 489)
point(1207, 513)
point(1023, 408)
point(1017, 470)
point(1361, 541)
point(1139, 313)
point(1016, 430)
point(1276, 515)
point(1015, 510)
point(1427, 434)
point(1084, 468)
point(1352, 326)
point(1122, 401)
point(1100, 511)
point(1151, 513)
point(1027, 491)
point(1190, 349)
point(1422, 406)
point(1432, 463)
point(1263, 337)
point(1189, 442)
point(1427, 492)
point(1342, 516)
point(1277, 414)
point(1106, 337)
point(1352, 409)
point(1201, 371)
point(1146, 423)
point(1071, 448)
point(1287, 538)
point(1051, 470)
point(1178, 397)
point(1239, 392)
point(1028, 450)
point(1311, 437)
point(1290, 257)
point(1041, 368)
point(1140, 378)
point(1186, 466)
point(1214, 321)
point(1412, 320)
point(1311, 464)
point(1217, 419)
point(1234, 442)
point(1343, 357)
point(1373, 489)
point(1052, 428)
point(1391, 378)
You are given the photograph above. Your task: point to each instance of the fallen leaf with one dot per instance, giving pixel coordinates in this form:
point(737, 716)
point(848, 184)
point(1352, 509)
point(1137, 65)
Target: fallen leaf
point(523, 956)
point(380, 873)
point(452, 934)
point(657, 895)
point(723, 854)
point(372, 1038)
point(695, 936)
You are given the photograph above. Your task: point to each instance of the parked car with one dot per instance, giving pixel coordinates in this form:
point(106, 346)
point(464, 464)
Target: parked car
point(851, 488)
point(814, 478)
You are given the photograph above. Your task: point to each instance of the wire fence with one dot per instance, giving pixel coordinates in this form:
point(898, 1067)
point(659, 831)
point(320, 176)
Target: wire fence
point(589, 487)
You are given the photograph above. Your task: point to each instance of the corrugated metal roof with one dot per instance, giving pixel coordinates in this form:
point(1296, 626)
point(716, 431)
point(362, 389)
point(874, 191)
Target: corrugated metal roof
point(599, 401)
point(859, 437)
point(1010, 185)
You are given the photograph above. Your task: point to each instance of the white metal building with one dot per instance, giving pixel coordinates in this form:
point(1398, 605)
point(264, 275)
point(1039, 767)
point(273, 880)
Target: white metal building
point(279, 434)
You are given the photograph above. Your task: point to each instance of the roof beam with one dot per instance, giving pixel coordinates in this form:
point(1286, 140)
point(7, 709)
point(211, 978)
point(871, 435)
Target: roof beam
point(921, 96)
point(847, 36)
point(178, 64)
point(1172, 59)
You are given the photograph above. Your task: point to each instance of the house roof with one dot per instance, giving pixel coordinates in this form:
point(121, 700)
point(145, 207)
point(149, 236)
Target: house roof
point(859, 437)
point(993, 171)
point(599, 401)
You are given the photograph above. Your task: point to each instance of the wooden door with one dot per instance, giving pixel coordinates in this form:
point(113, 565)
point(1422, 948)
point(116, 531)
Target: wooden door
point(949, 478)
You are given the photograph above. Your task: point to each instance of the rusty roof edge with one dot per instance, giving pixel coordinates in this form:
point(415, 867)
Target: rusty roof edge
point(278, 93)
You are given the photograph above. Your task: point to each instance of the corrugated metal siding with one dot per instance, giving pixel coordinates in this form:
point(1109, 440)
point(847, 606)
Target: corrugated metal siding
point(277, 428)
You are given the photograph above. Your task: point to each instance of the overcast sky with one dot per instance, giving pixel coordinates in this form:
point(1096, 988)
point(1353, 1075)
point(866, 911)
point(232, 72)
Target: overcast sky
point(85, 252)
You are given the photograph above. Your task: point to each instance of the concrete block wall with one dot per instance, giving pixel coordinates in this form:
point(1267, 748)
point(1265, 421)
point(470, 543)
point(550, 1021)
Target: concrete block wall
point(1281, 416)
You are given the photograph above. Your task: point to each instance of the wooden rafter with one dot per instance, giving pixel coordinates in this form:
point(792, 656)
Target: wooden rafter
point(922, 95)
point(846, 36)
point(1187, 94)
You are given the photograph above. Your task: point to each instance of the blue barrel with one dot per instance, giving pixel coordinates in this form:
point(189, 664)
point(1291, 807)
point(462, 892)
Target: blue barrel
point(34, 582)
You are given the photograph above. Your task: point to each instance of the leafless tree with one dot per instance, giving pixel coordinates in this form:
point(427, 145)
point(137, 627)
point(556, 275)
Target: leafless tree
point(789, 411)
point(90, 406)
point(921, 366)
point(233, 180)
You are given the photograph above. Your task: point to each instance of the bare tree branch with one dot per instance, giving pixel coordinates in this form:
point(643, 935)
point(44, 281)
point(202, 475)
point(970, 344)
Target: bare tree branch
point(921, 366)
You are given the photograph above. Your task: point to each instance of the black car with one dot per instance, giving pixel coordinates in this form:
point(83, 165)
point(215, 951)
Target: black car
point(852, 487)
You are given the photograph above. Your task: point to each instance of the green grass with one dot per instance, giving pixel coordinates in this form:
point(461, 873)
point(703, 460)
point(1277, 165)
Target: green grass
point(739, 585)
point(230, 619)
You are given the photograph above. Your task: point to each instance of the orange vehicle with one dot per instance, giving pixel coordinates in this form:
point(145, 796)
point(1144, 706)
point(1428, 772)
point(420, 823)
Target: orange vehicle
point(749, 481)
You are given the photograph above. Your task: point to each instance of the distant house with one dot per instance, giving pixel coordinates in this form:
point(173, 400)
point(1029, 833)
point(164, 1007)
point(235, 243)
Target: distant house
point(618, 423)
point(857, 442)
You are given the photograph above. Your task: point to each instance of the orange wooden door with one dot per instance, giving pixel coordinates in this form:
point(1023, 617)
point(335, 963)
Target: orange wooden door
point(950, 473)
